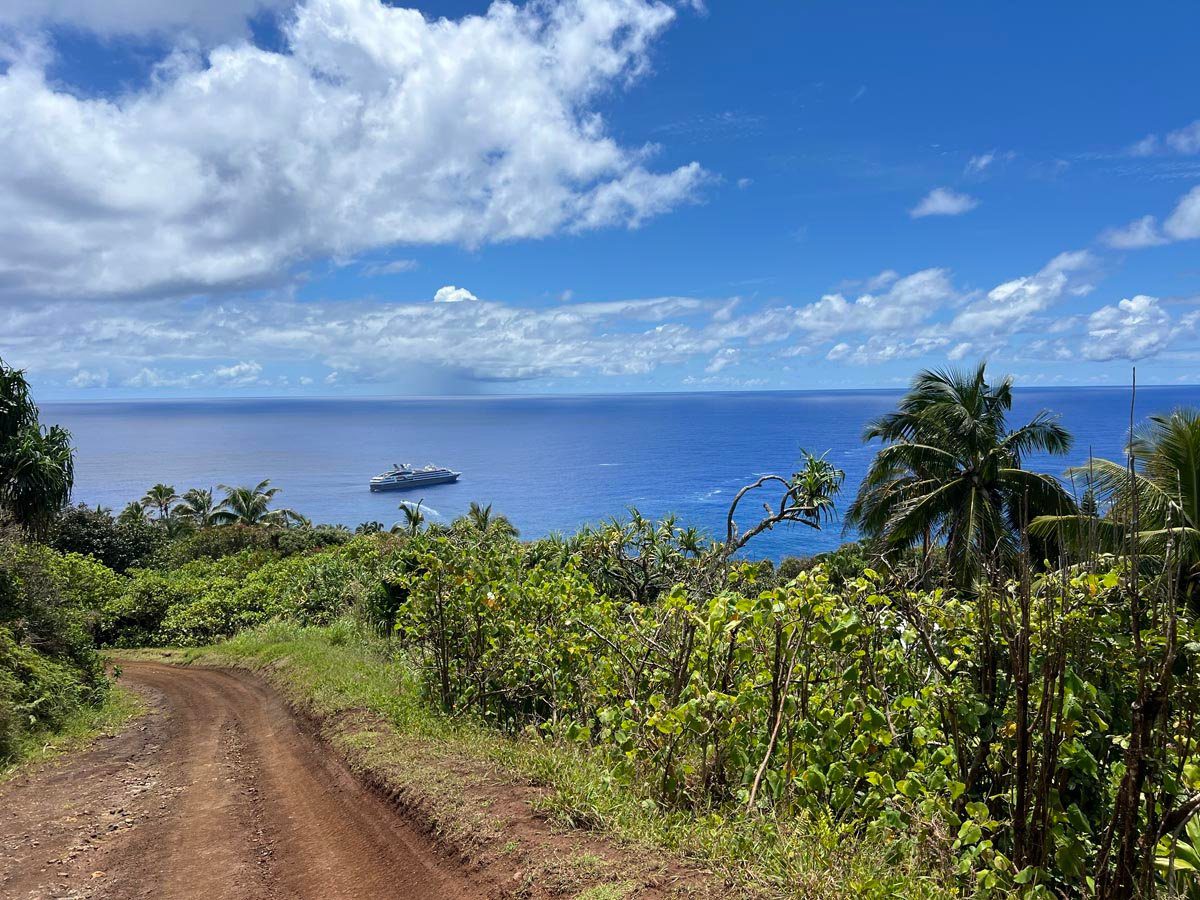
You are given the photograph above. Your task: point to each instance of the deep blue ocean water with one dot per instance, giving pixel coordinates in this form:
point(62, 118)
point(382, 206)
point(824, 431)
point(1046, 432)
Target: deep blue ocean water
point(548, 463)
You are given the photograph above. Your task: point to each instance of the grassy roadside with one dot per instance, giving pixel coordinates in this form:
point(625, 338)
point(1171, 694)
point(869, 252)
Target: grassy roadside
point(444, 767)
point(120, 706)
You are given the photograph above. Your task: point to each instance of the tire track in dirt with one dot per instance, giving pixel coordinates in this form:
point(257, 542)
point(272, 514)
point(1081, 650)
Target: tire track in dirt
point(218, 794)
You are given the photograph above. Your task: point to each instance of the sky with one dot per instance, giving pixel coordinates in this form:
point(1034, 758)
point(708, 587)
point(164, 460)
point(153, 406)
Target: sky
point(346, 197)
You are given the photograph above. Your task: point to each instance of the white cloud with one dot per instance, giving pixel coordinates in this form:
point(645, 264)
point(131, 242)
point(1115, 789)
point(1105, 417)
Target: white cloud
point(878, 349)
point(960, 350)
point(85, 379)
point(1181, 225)
point(1147, 146)
point(1132, 330)
point(416, 346)
point(1014, 303)
point(882, 280)
point(981, 162)
point(1184, 141)
point(452, 294)
point(204, 18)
point(235, 375)
point(907, 302)
point(1184, 223)
point(977, 164)
point(238, 344)
point(238, 374)
point(1141, 232)
point(943, 202)
point(385, 128)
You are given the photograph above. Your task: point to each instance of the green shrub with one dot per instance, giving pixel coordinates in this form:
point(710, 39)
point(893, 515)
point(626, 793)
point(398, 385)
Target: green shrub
point(48, 665)
point(92, 531)
point(290, 541)
point(214, 543)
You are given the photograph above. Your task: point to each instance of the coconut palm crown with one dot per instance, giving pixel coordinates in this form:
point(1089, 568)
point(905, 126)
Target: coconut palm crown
point(199, 507)
point(251, 506)
point(950, 471)
point(1156, 504)
point(160, 498)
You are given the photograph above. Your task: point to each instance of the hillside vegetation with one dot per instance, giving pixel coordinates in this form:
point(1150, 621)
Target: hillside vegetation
point(996, 693)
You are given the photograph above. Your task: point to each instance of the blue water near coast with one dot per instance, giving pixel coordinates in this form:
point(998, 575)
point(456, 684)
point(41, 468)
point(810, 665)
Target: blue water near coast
point(548, 463)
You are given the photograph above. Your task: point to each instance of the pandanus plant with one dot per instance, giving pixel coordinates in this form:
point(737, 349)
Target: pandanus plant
point(36, 464)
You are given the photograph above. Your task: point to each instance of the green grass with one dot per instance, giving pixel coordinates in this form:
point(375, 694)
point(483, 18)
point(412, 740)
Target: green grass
point(340, 671)
point(120, 706)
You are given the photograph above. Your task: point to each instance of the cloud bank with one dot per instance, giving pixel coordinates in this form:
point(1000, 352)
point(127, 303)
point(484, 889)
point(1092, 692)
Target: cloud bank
point(385, 129)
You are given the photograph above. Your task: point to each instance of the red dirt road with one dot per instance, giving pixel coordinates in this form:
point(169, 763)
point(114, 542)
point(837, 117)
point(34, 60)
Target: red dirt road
point(217, 794)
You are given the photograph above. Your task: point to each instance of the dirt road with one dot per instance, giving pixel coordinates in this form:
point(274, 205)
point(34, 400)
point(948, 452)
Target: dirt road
point(217, 794)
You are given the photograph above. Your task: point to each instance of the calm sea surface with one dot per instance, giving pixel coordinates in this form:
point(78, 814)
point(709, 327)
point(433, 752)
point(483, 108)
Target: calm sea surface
point(548, 463)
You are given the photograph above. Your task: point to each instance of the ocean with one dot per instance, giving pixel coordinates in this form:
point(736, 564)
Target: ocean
point(551, 464)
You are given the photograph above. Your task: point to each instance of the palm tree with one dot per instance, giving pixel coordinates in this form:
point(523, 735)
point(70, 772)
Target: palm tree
point(133, 514)
point(37, 468)
point(199, 507)
point(951, 470)
point(251, 506)
point(413, 518)
point(160, 498)
point(1158, 503)
point(481, 519)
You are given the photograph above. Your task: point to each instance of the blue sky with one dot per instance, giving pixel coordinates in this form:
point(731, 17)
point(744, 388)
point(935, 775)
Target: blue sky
point(258, 197)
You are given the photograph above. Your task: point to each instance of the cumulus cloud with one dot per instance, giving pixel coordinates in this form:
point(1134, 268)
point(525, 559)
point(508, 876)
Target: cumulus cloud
point(1013, 304)
point(385, 128)
point(907, 301)
point(86, 379)
point(236, 375)
point(452, 294)
point(1132, 329)
point(943, 202)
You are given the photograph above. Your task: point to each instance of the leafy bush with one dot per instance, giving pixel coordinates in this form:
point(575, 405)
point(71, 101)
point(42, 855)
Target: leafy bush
point(290, 541)
point(48, 667)
point(214, 543)
point(92, 531)
point(208, 599)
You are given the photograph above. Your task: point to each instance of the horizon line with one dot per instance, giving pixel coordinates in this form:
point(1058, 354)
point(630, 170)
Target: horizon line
point(579, 395)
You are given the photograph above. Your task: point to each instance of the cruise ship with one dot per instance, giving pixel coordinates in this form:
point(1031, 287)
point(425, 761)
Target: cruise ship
point(401, 478)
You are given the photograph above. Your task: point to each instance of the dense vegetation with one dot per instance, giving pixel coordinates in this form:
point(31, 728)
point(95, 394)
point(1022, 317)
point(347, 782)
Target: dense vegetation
point(998, 685)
